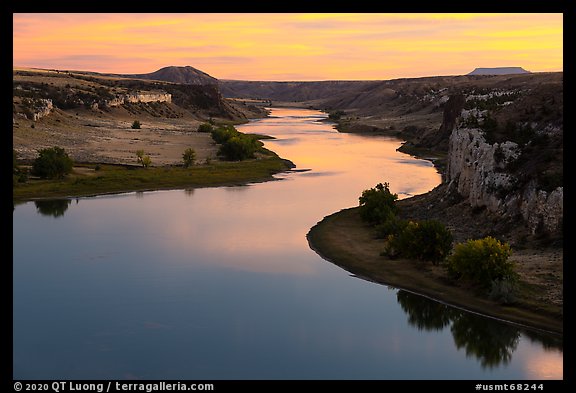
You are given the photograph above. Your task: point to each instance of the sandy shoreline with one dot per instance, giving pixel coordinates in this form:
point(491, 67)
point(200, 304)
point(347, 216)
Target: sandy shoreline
point(343, 239)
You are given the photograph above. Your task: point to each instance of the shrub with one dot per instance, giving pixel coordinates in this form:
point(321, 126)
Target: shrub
point(239, 148)
point(377, 205)
point(392, 226)
point(146, 161)
point(205, 127)
point(143, 160)
point(223, 133)
point(235, 145)
point(337, 115)
point(482, 261)
point(503, 291)
point(424, 240)
point(52, 163)
point(136, 125)
point(189, 156)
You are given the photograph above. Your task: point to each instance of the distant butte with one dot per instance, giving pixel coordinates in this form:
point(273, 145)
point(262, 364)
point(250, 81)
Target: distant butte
point(499, 71)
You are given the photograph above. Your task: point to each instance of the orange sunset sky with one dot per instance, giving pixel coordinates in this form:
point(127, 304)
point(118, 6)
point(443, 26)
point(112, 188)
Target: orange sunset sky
point(290, 46)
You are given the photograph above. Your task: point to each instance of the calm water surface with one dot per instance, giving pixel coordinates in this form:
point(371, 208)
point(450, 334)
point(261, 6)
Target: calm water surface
point(221, 283)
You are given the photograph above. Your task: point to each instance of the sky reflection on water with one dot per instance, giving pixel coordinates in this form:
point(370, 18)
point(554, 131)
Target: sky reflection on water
point(220, 283)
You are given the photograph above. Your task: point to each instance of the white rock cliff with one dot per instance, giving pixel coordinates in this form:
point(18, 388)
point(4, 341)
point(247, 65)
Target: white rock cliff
point(476, 169)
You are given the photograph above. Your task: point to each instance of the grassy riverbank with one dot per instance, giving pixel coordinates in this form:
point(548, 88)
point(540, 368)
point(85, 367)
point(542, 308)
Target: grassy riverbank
point(345, 240)
point(94, 179)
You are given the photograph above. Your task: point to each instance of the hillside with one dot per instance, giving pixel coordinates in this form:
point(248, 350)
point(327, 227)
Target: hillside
point(90, 115)
point(184, 75)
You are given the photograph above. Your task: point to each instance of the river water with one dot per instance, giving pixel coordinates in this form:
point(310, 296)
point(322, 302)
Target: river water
point(220, 283)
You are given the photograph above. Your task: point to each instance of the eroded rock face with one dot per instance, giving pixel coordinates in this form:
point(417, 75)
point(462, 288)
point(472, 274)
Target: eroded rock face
point(477, 170)
point(42, 107)
point(139, 97)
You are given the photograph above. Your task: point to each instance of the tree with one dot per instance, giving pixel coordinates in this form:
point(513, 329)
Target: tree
point(205, 127)
point(427, 240)
point(136, 125)
point(143, 160)
point(146, 161)
point(189, 157)
point(52, 163)
point(378, 204)
point(483, 262)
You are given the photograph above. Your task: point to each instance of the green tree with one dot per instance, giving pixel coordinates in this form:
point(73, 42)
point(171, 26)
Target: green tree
point(239, 148)
point(482, 261)
point(189, 157)
point(205, 127)
point(146, 161)
point(143, 160)
point(136, 125)
point(52, 163)
point(377, 204)
point(425, 240)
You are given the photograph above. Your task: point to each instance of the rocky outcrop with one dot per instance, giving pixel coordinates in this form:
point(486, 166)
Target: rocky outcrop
point(42, 108)
point(477, 170)
point(137, 97)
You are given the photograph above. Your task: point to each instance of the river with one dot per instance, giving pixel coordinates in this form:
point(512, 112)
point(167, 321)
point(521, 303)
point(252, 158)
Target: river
point(220, 283)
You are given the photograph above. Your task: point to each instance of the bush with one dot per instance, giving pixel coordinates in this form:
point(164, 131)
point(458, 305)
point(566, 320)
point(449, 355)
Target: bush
point(424, 240)
point(482, 262)
point(503, 291)
point(377, 205)
point(189, 156)
point(52, 163)
point(143, 160)
point(239, 148)
point(392, 226)
point(235, 145)
point(337, 115)
point(223, 133)
point(205, 127)
point(136, 125)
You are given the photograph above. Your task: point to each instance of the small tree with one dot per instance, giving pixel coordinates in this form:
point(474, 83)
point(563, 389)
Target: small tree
point(146, 161)
point(205, 127)
point(377, 204)
point(136, 125)
point(482, 261)
point(143, 160)
point(189, 157)
point(424, 240)
point(52, 163)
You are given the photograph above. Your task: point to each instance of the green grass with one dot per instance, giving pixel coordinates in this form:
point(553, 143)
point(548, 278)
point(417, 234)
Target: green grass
point(123, 178)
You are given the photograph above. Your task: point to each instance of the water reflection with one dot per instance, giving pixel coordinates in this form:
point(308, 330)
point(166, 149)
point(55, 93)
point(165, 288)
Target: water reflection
point(52, 207)
point(221, 283)
point(491, 342)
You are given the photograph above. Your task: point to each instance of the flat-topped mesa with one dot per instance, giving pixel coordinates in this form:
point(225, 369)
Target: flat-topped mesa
point(499, 71)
